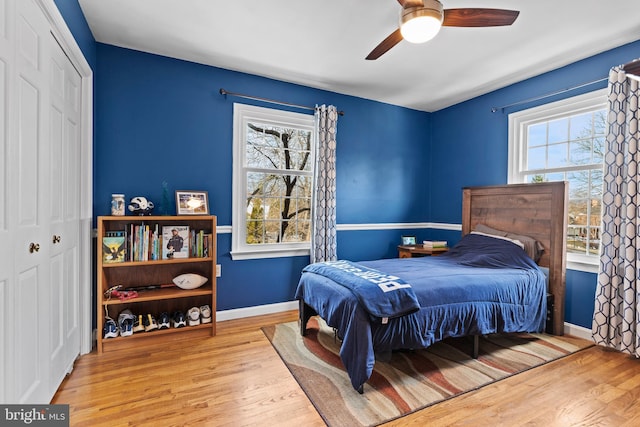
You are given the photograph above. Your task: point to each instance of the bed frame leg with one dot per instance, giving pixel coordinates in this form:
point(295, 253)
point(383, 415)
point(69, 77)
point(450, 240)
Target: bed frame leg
point(476, 346)
point(305, 312)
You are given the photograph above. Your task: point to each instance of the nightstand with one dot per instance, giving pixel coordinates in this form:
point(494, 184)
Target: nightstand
point(412, 251)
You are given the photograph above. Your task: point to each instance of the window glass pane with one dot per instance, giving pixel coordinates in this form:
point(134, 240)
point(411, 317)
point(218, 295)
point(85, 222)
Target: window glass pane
point(580, 126)
point(594, 229)
point(255, 230)
point(254, 185)
point(272, 147)
point(274, 204)
point(600, 122)
point(578, 226)
point(558, 176)
point(558, 130)
point(579, 185)
point(537, 135)
point(580, 152)
point(557, 155)
point(297, 230)
point(573, 239)
point(537, 158)
point(596, 184)
point(272, 232)
point(598, 150)
point(259, 184)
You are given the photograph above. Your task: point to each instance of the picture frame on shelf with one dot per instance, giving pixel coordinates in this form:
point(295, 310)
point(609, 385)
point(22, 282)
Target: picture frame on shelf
point(408, 240)
point(192, 202)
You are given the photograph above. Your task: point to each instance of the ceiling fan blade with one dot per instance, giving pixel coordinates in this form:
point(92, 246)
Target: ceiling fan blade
point(472, 17)
point(386, 44)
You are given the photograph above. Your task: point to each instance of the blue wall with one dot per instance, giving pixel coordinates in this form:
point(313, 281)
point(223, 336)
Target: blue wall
point(163, 120)
point(470, 143)
point(160, 119)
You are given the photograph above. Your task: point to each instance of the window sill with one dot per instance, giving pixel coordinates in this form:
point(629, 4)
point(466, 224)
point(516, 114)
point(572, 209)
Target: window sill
point(270, 253)
point(588, 264)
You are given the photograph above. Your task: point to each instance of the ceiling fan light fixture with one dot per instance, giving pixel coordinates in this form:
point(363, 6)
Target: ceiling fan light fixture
point(421, 24)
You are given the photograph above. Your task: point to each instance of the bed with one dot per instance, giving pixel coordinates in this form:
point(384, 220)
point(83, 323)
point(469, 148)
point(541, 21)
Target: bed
point(482, 285)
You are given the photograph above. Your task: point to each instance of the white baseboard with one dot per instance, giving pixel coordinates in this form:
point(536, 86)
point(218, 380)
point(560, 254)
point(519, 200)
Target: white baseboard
point(239, 313)
point(577, 331)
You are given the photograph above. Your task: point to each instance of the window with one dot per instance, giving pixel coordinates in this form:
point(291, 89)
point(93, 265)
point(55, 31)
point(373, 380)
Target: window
point(565, 140)
point(272, 189)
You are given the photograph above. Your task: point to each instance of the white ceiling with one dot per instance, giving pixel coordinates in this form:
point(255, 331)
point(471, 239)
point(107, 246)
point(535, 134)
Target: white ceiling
point(323, 43)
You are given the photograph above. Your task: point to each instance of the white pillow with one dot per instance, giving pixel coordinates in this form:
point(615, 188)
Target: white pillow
point(189, 281)
point(517, 242)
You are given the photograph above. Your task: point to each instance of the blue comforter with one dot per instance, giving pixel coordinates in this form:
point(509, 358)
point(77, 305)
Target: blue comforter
point(482, 285)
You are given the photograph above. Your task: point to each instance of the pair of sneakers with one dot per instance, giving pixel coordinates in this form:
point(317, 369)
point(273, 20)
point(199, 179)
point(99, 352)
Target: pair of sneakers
point(143, 323)
point(198, 315)
point(124, 327)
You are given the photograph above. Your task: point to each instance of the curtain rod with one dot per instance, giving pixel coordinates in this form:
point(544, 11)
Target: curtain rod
point(547, 95)
point(632, 67)
point(271, 101)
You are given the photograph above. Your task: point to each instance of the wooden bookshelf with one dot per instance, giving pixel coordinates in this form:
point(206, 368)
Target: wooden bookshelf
point(153, 272)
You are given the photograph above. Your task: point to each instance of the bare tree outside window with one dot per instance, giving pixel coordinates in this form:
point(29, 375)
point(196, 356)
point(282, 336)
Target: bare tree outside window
point(279, 183)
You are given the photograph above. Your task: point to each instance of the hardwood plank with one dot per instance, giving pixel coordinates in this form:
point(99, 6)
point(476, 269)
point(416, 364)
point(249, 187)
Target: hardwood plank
point(237, 379)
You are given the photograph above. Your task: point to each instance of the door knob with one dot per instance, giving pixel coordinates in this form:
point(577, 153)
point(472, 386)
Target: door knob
point(34, 247)
point(56, 239)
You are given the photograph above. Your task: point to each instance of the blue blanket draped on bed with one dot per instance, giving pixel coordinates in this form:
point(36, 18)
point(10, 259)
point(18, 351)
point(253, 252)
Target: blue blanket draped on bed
point(382, 295)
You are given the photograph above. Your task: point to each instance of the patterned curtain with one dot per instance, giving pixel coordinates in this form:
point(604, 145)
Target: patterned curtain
point(617, 304)
point(323, 241)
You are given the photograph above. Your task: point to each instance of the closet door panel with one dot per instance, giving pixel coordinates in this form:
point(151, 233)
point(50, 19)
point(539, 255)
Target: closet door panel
point(63, 218)
point(30, 200)
point(31, 374)
point(6, 249)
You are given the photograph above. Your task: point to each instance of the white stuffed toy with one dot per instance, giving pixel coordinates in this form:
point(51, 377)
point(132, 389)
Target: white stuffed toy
point(140, 206)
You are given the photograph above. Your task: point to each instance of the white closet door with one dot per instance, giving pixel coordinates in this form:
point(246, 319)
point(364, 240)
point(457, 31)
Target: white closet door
point(41, 254)
point(31, 200)
point(64, 209)
point(6, 235)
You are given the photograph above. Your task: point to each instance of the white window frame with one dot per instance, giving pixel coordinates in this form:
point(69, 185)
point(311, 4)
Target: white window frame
point(242, 114)
point(518, 123)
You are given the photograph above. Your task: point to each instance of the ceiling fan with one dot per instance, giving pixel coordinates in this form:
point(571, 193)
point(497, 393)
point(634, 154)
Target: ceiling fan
point(420, 21)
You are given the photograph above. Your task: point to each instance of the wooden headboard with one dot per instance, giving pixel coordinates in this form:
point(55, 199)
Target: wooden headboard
point(535, 210)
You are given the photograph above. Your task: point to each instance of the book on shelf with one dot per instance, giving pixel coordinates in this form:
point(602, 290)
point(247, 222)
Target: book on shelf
point(434, 244)
point(175, 241)
point(206, 244)
point(200, 243)
point(113, 248)
point(151, 242)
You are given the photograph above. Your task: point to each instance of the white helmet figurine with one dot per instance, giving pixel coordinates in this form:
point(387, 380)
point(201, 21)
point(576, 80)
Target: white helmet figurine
point(140, 206)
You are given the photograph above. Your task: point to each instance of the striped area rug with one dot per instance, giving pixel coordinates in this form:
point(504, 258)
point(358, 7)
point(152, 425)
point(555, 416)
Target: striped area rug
point(410, 380)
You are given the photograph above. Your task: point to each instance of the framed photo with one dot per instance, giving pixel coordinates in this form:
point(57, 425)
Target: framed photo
point(192, 202)
point(408, 240)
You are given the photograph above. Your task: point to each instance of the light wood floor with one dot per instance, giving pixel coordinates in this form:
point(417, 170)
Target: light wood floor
point(237, 379)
